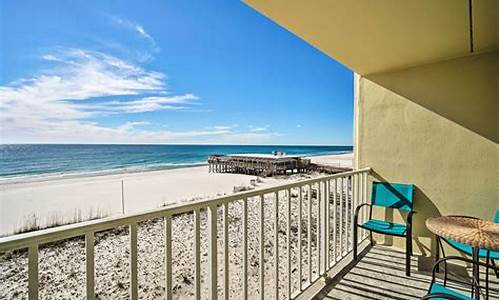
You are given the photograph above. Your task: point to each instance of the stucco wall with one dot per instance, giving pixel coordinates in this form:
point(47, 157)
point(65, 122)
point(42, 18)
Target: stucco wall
point(435, 126)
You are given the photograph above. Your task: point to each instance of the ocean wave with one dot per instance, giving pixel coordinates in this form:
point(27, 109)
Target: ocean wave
point(91, 173)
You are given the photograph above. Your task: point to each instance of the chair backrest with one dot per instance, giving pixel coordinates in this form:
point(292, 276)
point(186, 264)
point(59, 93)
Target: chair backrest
point(393, 195)
point(495, 218)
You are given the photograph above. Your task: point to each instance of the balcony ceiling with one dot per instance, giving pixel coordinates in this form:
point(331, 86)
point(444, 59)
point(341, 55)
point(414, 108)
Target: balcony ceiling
point(373, 36)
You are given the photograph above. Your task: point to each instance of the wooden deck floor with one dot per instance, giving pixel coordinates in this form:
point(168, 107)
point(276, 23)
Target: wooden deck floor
point(381, 275)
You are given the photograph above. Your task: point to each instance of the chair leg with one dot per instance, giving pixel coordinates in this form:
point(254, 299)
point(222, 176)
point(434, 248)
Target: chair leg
point(436, 257)
point(410, 245)
point(487, 283)
point(355, 241)
point(494, 267)
point(408, 257)
point(371, 239)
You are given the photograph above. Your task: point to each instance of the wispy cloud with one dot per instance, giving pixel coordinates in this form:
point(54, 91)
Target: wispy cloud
point(258, 129)
point(59, 104)
point(225, 127)
point(77, 75)
point(252, 128)
point(135, 27)
point(146, 104)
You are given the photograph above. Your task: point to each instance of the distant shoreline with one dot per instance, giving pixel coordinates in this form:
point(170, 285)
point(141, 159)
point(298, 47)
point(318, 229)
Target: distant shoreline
point(10, 180)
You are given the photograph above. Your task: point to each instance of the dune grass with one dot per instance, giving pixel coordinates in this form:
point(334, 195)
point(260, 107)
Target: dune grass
point(34, 222)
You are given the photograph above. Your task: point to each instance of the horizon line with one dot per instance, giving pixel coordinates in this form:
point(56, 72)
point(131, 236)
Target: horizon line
point(177, 144)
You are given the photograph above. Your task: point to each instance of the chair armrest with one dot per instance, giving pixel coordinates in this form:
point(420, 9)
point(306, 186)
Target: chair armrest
point(445, 260)
point(439, 261)
point(356, 212)
point(409, 218)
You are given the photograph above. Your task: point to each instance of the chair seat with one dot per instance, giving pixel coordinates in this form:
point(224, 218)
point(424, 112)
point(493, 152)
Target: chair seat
point(439, 288)
point(384, 227)
point(468, 250)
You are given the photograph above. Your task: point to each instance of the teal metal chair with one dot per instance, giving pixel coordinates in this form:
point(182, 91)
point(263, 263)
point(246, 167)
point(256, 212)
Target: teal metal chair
point(392, 195)
point(440, 290)
point(489, 256)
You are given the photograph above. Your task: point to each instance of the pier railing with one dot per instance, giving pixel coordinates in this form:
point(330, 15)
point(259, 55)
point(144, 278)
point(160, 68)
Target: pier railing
point(323, 236)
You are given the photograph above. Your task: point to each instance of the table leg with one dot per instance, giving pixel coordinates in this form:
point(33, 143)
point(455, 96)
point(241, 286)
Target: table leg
point(475, 271)
point(487, 285)
point(436, 257)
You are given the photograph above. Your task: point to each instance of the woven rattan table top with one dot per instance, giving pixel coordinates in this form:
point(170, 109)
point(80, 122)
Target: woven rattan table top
point(474, 232)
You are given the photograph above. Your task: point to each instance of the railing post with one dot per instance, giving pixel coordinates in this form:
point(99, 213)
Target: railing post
point(318, 230)
point(133, 261)
point(289, 245)
point(326, 262)
point(341, 218)
point(276, 246)
point(299, 238)
point(226, 250)
point(335, 219)
point(351, 213)
point(33, 272)
point(309, 233)
point(321, 227)
point(89, 266)
point(355, 200)
point(261, 248)
point(212, 251)
point(345, 186)
point(197, 275)
point(168, 257)
point(245, 259)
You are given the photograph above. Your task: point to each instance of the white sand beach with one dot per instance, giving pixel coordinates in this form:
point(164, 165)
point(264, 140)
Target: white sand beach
point(65, 200)
point(61, 264)
point(340, 160)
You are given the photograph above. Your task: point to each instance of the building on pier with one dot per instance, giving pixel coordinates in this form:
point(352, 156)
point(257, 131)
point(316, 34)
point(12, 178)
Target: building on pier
point(258, 164)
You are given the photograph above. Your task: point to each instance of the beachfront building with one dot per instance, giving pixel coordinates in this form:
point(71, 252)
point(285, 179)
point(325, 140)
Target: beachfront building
point(426, 113)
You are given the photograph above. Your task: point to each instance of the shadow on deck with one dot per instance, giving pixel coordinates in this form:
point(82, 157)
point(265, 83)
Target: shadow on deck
point(380, 274)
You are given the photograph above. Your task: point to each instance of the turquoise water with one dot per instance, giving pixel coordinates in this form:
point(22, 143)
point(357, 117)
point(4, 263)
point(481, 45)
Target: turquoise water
point(25, 161)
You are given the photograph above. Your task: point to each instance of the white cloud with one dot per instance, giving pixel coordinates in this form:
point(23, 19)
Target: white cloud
point(145, 104)
point(129, 132)
point(142, 32)
point(77, 75)
point(137, 28)
point(252, 128)
point(55, 106)
point(222, 127)
point(258, 129)
point(49, 57)
point(245, 138)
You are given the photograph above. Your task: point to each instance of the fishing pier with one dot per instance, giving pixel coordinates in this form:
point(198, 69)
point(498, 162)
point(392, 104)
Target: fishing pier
point(258, 164)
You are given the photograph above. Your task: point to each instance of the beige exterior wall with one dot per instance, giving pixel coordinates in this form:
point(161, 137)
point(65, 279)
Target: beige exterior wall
point(435, 126)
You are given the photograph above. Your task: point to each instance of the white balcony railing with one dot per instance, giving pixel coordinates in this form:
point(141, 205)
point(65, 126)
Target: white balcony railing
point(324, 237)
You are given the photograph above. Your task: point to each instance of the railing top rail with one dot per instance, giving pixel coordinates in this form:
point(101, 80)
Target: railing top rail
point(44, 236)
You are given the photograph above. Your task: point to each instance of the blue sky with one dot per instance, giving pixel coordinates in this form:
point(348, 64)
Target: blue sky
point(164, 72)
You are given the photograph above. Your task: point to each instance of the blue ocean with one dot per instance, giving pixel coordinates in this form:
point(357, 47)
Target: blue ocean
point(30, 161)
